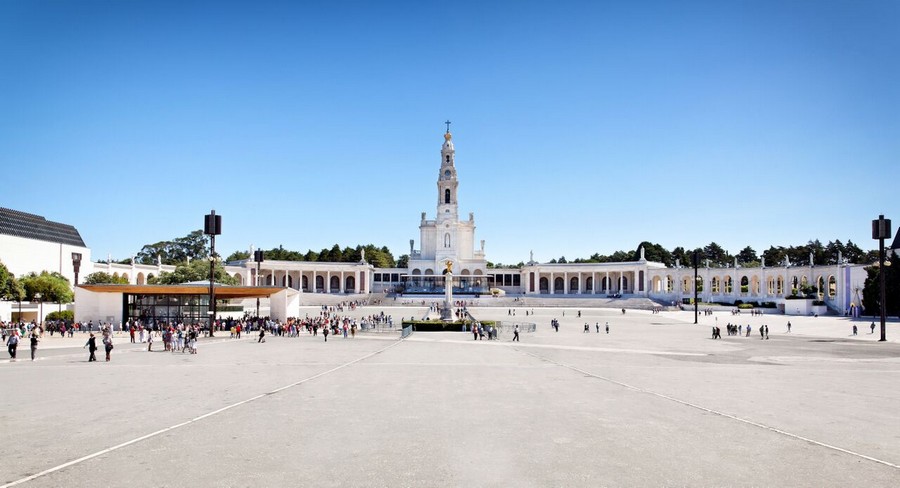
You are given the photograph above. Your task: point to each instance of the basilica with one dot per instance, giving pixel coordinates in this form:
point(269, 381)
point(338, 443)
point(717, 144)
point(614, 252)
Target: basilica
point(446, 240)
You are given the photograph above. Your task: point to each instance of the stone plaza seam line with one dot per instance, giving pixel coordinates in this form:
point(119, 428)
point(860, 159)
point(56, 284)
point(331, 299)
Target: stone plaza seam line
point(714, 412)
point(195, 419)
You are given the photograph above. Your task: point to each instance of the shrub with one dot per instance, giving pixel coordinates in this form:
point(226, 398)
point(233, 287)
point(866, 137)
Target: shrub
point(745, 306)
point(439, 326)
point(66, 315)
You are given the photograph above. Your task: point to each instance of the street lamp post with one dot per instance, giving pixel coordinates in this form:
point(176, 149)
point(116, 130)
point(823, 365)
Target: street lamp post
point(212, 227)
point(41, 310)
point(76, 265)
point(881, 230)
point(259, 256)
point(695, 260)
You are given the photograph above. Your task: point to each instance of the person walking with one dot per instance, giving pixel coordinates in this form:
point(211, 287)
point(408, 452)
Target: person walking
point(516, 333)
point(597, 326)
point(325, 333)
point(262, 335)
point(762, 332)
point(107, 345)
point(149, 342)
point(607, 327)
point(789, 326)
point(474, 332)
point(12, 343)
point(767, 331)
point(91, 344)
point(587, 328)
point(34, 344)
point(854, 329)
point(872, 328)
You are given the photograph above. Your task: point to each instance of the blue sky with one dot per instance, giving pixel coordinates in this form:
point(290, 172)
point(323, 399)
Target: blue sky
point(580, 127)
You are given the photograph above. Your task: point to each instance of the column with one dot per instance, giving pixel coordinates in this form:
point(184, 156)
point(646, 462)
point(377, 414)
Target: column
point(328, 282)
point(608, 286)
point(594, 282)
point(356, 282)
point(312, 282)
point(566, 283)
point(300, 280)
point(551, 285)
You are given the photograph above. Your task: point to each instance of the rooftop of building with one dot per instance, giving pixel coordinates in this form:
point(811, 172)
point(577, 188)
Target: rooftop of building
point(30, 226)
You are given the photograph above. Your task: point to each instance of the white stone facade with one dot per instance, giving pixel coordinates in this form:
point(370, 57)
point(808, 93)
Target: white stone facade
point(22, 256)
point(446, 237)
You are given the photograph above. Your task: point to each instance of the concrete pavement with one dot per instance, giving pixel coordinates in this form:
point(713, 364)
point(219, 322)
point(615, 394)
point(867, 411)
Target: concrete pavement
point(654, 403)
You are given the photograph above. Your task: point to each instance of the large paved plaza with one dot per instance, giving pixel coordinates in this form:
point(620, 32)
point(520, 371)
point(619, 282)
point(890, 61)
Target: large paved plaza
point(655, 402)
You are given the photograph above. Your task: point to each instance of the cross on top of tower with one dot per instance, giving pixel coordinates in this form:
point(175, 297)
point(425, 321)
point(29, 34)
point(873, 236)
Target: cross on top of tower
point(448, 125)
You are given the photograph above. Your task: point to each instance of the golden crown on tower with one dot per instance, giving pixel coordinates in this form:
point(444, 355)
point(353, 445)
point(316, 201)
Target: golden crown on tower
point(448, 136)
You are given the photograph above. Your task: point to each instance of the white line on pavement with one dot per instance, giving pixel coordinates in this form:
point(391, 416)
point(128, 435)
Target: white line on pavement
point(195, 419)
point(714, 412)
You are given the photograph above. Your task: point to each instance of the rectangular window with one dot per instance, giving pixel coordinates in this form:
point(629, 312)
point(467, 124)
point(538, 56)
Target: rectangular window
point(517, 280)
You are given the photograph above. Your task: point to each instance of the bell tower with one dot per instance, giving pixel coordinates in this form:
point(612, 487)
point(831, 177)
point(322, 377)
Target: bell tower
point(448, 208)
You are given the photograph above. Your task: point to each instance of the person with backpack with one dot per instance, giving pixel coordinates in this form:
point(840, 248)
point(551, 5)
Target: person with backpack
point(91, 344)
point(107, 345)
point(34, 344)
point(12, 342)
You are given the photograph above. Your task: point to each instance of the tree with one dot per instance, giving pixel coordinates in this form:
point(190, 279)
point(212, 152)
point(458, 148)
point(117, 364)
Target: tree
point(194, 245)
point(237, 256)
point(655, 253)
point(403, 261)
point(747, 256)
point(10, 288)
point(195, 271)
point(872, 289)
point(102, 278)
point(717, 256)
point(774, 256)
point(53, 287)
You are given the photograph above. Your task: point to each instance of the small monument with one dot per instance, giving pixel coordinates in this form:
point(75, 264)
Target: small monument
point(447, 309)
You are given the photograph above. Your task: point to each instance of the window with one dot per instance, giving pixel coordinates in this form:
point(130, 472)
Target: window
point(448, 158)
point(447, 195)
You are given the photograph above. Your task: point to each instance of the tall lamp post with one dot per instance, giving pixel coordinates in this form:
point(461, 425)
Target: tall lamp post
point(259, 256)
point(881, 230)
point(212, 227)
point(41, 312)
point(695, 260)
point(76, 265)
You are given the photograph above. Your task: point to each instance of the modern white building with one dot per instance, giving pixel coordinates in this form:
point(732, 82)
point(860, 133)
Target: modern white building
point(31, 243)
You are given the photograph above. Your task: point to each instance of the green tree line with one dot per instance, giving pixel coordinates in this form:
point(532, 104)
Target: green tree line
point(718, 257)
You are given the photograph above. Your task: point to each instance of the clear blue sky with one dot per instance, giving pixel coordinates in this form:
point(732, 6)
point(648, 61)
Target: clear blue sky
point(580, 127)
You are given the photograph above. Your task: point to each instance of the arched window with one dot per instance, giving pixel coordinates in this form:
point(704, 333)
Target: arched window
point(447, 195)
point(448, 158)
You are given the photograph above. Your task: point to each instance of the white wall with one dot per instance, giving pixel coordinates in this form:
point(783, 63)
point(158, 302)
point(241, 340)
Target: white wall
point(23, 256)
point(99, 307)
point(6, 311)
point(284, 304)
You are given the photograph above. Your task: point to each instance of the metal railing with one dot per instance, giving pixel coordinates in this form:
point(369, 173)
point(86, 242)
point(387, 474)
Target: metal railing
point(406, 332)
point(509, 326)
